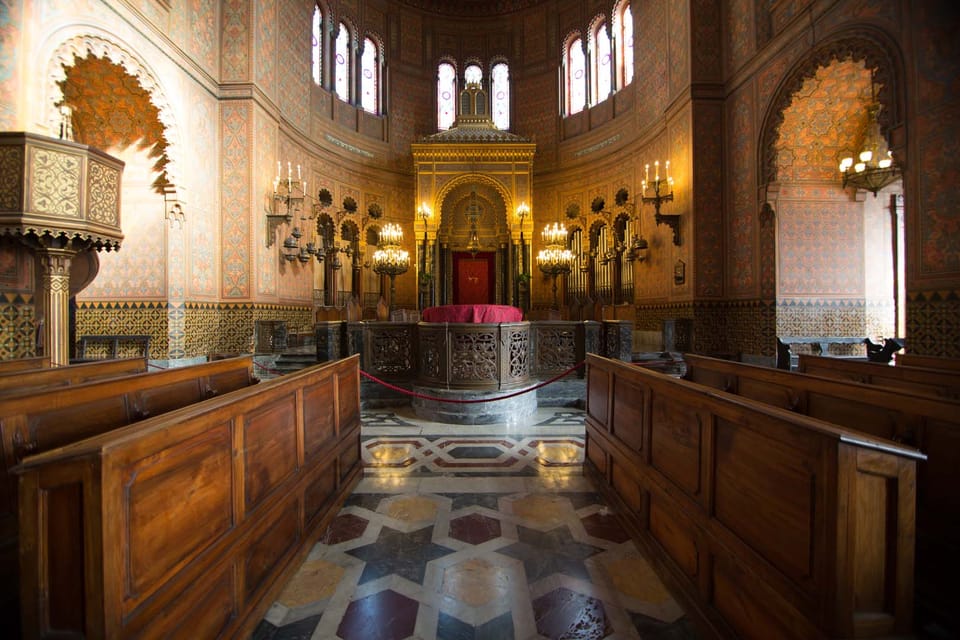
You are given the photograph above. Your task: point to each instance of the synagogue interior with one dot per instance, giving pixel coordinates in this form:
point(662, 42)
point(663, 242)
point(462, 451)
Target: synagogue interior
point(470, 319)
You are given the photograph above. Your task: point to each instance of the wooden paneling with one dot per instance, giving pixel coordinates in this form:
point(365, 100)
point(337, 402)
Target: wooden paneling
point(162, 544)
point(22, 364)
point(753, 512)
point(177, 502)
point(41, 378)
point(270, 447)
point(319, 425)
point(924, 420)
point(927, 362)
point(676, 535)
point(675, 443)
point(629, 406)
point(764, 493)
point(931, 381)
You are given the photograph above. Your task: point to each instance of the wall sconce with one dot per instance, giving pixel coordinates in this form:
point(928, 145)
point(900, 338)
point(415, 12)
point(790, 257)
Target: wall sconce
point(288, 197)
point(656, 186)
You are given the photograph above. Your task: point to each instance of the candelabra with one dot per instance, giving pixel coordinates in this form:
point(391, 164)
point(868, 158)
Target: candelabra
point(389, 259)
point(657, 186)
point(556, 258)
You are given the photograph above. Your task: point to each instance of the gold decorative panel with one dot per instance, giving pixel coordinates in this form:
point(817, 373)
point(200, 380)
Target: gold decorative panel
point(55, 183)
point(11, 178)
point(103, 190)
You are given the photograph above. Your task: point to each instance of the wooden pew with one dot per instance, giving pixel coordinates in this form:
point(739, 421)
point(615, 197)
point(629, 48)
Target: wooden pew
point(187, 524)
point(34, 379)
point(929, 423)
point(927, 362)
point(941, 383)
point(20, 364)
point(37, 421)
point(768, 523)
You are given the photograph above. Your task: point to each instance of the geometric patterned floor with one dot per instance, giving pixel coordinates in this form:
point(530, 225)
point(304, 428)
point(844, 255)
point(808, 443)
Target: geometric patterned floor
point(474, 532)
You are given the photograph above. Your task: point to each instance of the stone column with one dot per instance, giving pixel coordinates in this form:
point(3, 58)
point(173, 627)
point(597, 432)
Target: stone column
point(54, 303)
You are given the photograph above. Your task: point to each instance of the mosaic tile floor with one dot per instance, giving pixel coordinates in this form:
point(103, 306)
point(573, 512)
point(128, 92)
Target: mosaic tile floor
point(476, 532)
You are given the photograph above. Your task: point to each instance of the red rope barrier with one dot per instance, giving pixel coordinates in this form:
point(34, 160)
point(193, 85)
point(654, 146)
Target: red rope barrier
point(474, 400)
point(275, 372)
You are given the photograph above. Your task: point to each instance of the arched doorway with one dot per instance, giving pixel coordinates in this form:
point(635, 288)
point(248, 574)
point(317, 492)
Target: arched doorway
point(474, 237)
point(839, 258)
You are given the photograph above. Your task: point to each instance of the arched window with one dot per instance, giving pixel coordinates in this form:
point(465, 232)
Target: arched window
point(624, 30)
point(600, 63)
point(370, 76)
point(446, 95)
point(317, 46)
point(500, 90)
point(473, 74)
point(575, 81)
point(342, 68)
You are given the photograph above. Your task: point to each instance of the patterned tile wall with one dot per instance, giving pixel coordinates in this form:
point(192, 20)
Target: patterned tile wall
point(933, 327)
point(207, 327)
point(126, 318)
point(17, 329)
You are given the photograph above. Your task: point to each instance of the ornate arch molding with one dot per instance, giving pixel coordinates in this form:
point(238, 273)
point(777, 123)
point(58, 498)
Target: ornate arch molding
point(477, 178)
point(80, 46)
point(872, 46)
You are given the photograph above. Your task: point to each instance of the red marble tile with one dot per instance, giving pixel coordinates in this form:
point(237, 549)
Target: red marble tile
point(344, 527)
point(474, 528)
point(565, 614)
point(606, 526)
point(387, 615)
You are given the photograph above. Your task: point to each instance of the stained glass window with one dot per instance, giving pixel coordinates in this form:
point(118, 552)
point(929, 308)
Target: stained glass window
point(446, 95)
point(625, 46)
point(473, 74)
point(316, 47)
point(369, 77)
point(601, 64)
point(500, 77)
point(576, 77)
point(342, 71)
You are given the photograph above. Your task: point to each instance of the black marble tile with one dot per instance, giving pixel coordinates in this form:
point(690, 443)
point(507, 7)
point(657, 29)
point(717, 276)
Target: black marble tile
point(405, 554)
point(464, 500)
point(450, 628)
point(474, 452)
point(564, 614)
point(300, 630)
point(653, 629)
point(546, 553)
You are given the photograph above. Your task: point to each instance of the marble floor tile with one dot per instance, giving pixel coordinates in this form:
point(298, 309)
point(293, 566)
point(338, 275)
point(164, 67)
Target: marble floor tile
point(474, 533)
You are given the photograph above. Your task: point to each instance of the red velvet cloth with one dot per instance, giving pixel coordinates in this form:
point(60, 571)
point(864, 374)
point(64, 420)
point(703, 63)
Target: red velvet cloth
point(489, 313)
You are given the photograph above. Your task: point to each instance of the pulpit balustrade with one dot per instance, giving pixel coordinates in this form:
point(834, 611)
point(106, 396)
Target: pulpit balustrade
point(473, 356)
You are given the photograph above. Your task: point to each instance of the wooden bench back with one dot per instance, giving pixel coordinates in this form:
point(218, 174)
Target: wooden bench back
point(928, 422)
point(773, 524)
point(42, 420)
point(21, 364)
point(927, 362)
point(190, 521)
point(16, 382)
point(940, 383)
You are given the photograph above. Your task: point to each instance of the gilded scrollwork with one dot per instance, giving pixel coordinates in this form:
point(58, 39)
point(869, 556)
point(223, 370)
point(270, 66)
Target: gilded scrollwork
point(55, 177)
point(11, 177)
point(103, 189)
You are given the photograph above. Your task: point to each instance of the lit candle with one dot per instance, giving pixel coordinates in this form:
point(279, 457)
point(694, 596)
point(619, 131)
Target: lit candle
point(289, 173)
point(656, 167)
point(304, 187)
point(646, 173)
point(668, 170)
point(298, 171)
